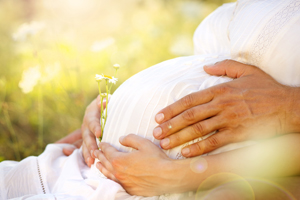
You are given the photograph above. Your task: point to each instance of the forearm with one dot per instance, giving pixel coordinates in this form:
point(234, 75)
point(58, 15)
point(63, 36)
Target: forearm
point(278, 157)
point(293, 110)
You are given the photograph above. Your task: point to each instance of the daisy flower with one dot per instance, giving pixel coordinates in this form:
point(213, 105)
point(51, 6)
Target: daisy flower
point(113, 80)
point(99, 77)
point(116, 66)
point(107, 78)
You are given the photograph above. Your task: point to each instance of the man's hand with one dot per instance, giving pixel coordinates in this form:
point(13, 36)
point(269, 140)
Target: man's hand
point(253, 106)
point(141, 172)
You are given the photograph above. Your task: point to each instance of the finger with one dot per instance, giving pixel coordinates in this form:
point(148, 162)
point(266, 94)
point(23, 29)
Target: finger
point(229, 68)
point(89, 140)
point(94, 126)
point(183, 104)
point(99, 154)
point(109, 151)
point(78, 143)
point(134, 141)
point(68, 150)
point(186, 118)
point(209, 144)
point(71, 138)
point(89, 160)
point(105, 172)
point(192, 132)
point(89, 145)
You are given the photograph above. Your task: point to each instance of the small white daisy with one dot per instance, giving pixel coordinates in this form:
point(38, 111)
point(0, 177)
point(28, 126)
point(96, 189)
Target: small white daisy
point(116, 66)
point(99, 77)
point(113, 80)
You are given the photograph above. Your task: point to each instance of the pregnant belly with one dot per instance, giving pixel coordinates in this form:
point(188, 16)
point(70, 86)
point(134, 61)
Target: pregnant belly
point(133, 106)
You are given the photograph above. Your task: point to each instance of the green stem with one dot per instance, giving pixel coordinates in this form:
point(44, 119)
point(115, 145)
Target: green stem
point(101, 122)
point(101, 112)
point(106, 103)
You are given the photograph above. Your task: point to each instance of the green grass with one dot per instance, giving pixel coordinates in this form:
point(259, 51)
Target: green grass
point(138, 33)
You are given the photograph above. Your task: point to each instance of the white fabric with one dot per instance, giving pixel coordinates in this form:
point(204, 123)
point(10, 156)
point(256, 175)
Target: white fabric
point(264, 33)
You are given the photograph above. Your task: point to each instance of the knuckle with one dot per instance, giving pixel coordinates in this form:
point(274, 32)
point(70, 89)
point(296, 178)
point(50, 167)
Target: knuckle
point(118, 176)
point(103, 147)
point(129, 137)
point(223, 89)
point(168, 111)
point(175, 139)
point(189, 115)
point(86, 135)
point(115, 163)
point(187, 101)
point(227, 62)
point(233, 115)
point(197, 149)
point(213, 141)
point(167, 126)
point(198, 129)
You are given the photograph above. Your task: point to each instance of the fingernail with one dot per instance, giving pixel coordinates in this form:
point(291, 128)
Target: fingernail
point(95, 154)
point(98, 165)
point(90, 160)
point(165, 142)
point(185, 151)
point(121, 139)
point(159, 117)
point(157, 132)
point(209, 65)
point(70, 148)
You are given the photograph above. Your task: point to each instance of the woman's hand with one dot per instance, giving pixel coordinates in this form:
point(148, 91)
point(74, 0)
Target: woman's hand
point(85, 136)
point(253, 106)
point(91, 129)
point(148, 171)
point(74, 138)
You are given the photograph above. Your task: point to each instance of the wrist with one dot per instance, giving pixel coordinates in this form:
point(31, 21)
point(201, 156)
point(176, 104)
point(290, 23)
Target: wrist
point(184, 176)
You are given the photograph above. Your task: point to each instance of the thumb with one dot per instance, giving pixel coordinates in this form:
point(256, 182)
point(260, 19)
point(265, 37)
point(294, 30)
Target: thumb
point(133, 141)
point(229, 68)
point(68, 150)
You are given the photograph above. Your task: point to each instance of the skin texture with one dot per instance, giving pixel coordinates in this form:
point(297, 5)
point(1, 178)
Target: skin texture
point(148, 171)
point(253, 99)
point(252, 106)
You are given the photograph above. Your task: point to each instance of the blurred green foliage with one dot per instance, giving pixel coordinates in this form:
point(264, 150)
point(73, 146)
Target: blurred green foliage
point(47, 76)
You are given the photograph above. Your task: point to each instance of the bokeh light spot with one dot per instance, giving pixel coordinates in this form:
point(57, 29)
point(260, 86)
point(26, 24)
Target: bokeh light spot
point(199, 165)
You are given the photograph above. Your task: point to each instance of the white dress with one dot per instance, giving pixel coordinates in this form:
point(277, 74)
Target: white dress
point(264, 33)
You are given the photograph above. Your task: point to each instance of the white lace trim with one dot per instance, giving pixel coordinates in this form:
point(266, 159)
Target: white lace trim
point(271, 29)
point(40, 176)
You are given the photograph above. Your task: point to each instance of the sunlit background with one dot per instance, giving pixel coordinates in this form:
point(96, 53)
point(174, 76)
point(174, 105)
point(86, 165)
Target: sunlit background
point(51, 50)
